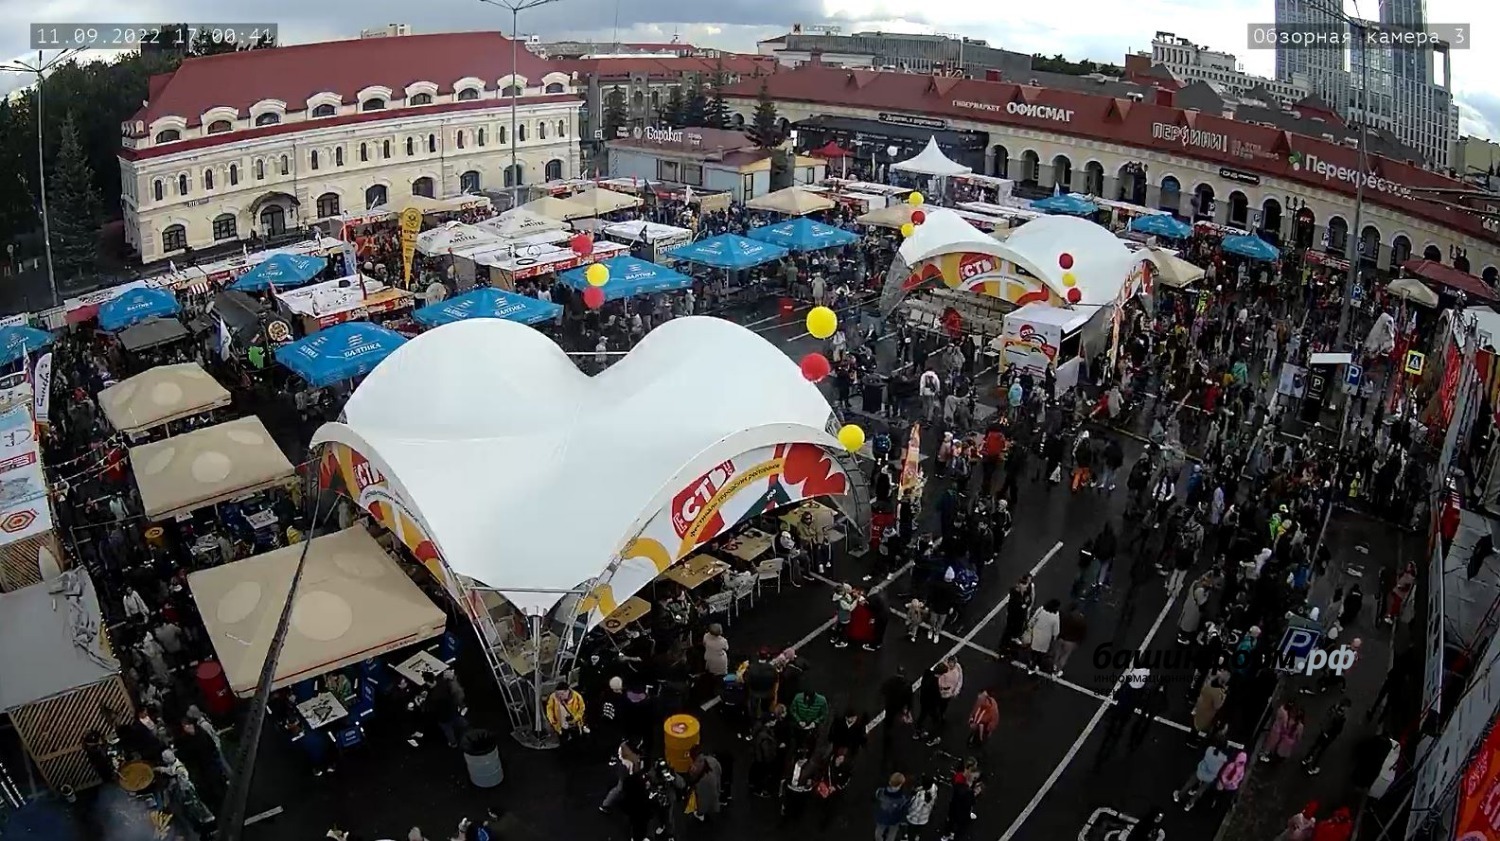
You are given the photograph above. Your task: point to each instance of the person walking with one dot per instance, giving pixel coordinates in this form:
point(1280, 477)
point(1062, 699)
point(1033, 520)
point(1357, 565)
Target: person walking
point(896, 697)
point(1231, 777)
point(704, 778)
point(1072, 629)
point(716, 653)
point(983, 718)
point(931, 706)
point(1203, 778)
point(1040, 633)
point(960, 808)
point(808, 712)
point(1210, 701)
point(1332, 728)
point(1286, 732)
point(891, 803)
point(919, 811)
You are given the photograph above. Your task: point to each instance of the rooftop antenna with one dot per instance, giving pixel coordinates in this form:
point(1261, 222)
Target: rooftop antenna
point(617, 26)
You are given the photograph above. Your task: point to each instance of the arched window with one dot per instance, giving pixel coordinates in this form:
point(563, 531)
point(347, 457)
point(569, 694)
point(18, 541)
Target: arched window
point(234, 175)
point(514, 175)
point(338, 156)
point(220, 126)
point(372, 104)
point(328, 205)
point(225, 227)
point(171, 135)
point(270, 118)
point(469, 182)
point(422, 187)
point(174, 238)
point(562, 128)
point(385, 148)
point(432, 143)
point(273, 220)
point(374, 196)
point(182, 185)
point(158, 190)
point(541, 131)
point(500, 133)
point(312, 158)
point(420, 99)
point(260, 169)
point(521, 133)
point(325, 110)
point(510, 90)
point(208, 179)
point(554, 170)
point(364, 152)
point(479, 137)
point(286, 165)
point(411, 146)
point(460, 138)
point(468, 94)
point(556, 87)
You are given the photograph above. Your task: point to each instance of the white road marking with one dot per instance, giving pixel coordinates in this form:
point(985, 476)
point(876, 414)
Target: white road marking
point(266, 815)
point(1088, 730)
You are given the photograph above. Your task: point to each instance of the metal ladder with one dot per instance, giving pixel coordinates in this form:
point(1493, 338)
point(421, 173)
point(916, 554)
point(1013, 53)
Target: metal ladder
point(515, 690)
point(857, 499)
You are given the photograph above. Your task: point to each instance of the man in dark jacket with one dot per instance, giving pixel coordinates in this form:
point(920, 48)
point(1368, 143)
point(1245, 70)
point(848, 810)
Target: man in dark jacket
point(760, 684)
point(895, 696)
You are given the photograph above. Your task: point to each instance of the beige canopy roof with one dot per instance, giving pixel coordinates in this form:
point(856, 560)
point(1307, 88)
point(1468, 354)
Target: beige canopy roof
point(793, 201)
point(161, 395)
point(1172, 270)
point(206, 467)
point(1414, 290)
point(552, 207)
point(890, 216)
point(353, 602)
point(598, 202)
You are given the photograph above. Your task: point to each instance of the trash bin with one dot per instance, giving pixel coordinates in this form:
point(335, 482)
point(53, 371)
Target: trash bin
point(682, 735)
point(786, 308)
point(482, 757)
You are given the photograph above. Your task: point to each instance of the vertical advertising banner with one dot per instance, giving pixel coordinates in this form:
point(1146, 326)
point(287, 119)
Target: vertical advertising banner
point(41, 378)
point(411, 225)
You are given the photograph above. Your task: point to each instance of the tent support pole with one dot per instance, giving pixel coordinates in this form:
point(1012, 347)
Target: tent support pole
point(536, 673)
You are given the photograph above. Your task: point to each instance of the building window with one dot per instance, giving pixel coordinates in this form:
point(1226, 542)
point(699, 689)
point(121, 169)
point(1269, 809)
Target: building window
point(374, 196)
point(268, 119)
point(385, 148)
point(556, 87)
point(511, 90)
point(158, 190)
point(479, 137)
point(692, 174)
point(666, 170)
point(219, 126)
point(273, 221)
point(469, 182)
point(514, 175)
point(286, 165)
point(171, 135)
point(521, 133)
point(338, 156)
point(182, 185)
point(460, 139)
point(234, 175)
point(562, 128)
point(372, 104)
point(328, 205)
point(364, 152)
point(500, 133)
point(541, 131)
point(225, 227)
point(312, 158)
point(422, 187)
point(554, 170)
point(432, 143)
point(420, 99)
point(324, 110)
point(411, 146)
point(468, 94)
point(260, 170)
point(655, 99)
point(174, 238)
point(208, 179)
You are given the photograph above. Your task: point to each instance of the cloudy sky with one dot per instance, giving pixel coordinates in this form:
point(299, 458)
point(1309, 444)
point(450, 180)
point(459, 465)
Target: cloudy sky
point(1102, 30)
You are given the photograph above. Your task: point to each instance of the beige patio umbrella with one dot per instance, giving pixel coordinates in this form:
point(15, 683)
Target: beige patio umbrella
point(1414, 290)
point(596, 202)
point(891, 216)
point(1172, 270)
point(552, 207)
point(793, 201)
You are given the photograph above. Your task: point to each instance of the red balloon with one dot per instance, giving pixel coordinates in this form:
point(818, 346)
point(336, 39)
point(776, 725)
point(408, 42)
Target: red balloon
point(593, 297)
point(815, 367)
point(1066, 261)
point(583, 245)
point(1074, 296)
point(918, 217)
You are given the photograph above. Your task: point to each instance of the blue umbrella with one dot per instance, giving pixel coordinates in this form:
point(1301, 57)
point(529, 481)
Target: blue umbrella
point(728, 251)
point(1161, 225)
point(18, 340)
point(1070, 204)
point(281, 270)
point(629, 276)
point(1250, 246)
point(341, 352)
point(136, 305)
point(803, 234)
point(488, 302)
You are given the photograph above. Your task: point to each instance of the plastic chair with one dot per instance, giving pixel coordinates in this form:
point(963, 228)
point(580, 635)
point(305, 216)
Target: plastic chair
point(719, 603)
point(742, 586)
point(769, 570)
point(349, 737)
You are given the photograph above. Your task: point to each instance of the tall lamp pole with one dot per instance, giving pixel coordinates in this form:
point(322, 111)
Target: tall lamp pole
point(39, 70)
point(515, 7)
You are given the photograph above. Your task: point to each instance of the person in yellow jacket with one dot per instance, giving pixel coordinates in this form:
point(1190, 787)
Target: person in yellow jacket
point(565, 712)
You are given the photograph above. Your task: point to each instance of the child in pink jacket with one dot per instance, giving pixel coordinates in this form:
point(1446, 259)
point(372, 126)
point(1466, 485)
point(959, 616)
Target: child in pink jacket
point(1286, 732)
point(1230, 778)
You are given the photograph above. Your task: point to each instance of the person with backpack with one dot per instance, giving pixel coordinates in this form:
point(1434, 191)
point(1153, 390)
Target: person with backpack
point(891, 803)
point(919, 811)
point(1083, 461)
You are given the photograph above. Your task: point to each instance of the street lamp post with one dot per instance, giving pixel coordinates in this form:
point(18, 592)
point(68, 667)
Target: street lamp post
point(515, 8)
point(39, 70)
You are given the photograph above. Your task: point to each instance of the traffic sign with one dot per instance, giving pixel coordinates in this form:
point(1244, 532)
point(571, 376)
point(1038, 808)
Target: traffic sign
point(1352, 375)
point(1297, 642)
point(1415, 361)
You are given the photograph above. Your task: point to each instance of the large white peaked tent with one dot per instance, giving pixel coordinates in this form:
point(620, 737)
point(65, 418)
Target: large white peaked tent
point(931, 161)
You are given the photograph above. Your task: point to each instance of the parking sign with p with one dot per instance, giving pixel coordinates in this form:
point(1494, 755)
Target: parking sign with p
point(1297, 643)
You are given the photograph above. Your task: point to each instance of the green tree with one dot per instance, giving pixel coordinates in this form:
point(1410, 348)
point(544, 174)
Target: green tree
point(17, 158)
point(670, 113)
point(204, 44)
point(615, 113)
point(694, 105)
point(72, 205)
point(765, 125)
point(716, 114)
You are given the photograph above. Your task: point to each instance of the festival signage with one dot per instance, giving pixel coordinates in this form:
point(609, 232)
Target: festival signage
point(24, 509)
point(982, 273)
point(1239, 176)
point(411, 228)
point(1479, 799)
point(914, 122)
point(1213, 141)
point(1330, 171)
point(42, 390)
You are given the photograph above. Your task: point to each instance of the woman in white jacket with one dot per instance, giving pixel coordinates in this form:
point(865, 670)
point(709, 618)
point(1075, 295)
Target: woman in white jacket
point(919, 813)
point(1045, 624)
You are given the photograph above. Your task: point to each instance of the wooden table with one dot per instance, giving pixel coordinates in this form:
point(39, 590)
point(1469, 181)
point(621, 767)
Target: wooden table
point(416, 666)
point(696, 571)
point(632, 610)
point(750, 545)
point(321, 710)
point(823, 519)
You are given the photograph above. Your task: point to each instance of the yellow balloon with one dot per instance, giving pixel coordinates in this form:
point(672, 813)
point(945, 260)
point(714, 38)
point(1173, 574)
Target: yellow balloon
point(852, 437)
point(915, 199)
point(597, 274)
point(1069, 279)
point(907, 229)
point(821, 322)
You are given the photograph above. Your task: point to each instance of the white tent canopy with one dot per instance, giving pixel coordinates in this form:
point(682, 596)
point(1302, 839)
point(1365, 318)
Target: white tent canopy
point(931, 161)
point(451, 236)
point(551, 207)
point(519, 222)
point(793, 201)
point(1101, 262)
point(353, 602)
point(1172, 270)
point(533, 476)
point(941, 232)
point(640, 230)
point(161, 395)
point(207, 466)
point(51, 640)
point(596, 202)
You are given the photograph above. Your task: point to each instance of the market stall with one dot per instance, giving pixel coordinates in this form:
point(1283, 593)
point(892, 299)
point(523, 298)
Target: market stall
point(1039, 336)
point(160, 396)
point(206, 467)
point(452, 236)
point(518, 223)
point(152, 333)
point(539, 260)
point(28, 539)
point(59, 679)
point(648, 240)
point(980, 189)
point(352, 298)
point(137, 305)
point(630, 276)
point(428, 206)
point(1172, 271)
point(19, 340)
point(342, 352)
point(488, 302)
point(472, 265)
point(1067, 204)
point(354, 602)
point(1161, 225)
point(1250, 246)
point(596, 202)
point(280, 271)
point(551, 207)
point(931, 162)
point(728, 251)
point(791, 201)
point(803, 234)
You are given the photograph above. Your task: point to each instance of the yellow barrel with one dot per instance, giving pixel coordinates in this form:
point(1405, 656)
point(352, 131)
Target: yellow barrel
point(682, 735)
point(156, 536)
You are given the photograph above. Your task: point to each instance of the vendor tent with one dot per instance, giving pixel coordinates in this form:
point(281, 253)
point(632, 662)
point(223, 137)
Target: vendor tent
point(728, 251)
point(1161, 225)
point(136, 305)
point(1454, 280)
point(1171, 270)
point(488, 302)
point(207, 466)
point(803, 235)
point(931, 161)
point(341, 352)
point(890, 216)
point(1069, 204)
point(793, 201)
point(352, 603)
point(554, 208)
point(452, 204)
point(161, 395)
point(519, 222)
point(1414, 290)
point(640, 230)
point(18, 340)
point(151, 333)
point(280, 271)
point(629, 276)
point(452, 236)
point(1253, 247)
point(597, 202)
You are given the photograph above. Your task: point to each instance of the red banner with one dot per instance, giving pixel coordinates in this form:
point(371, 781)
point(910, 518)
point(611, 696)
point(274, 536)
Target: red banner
point(1479, 802)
